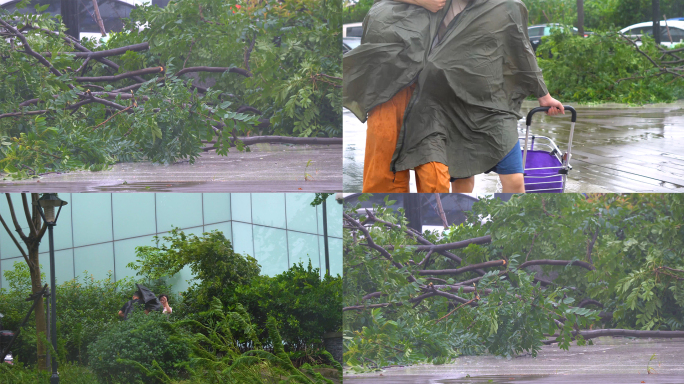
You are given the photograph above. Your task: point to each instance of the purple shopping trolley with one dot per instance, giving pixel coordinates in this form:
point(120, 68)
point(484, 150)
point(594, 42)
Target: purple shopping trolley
point(546, 169)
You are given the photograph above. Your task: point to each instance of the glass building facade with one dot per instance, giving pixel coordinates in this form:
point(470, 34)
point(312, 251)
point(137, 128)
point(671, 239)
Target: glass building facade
point(98, 232)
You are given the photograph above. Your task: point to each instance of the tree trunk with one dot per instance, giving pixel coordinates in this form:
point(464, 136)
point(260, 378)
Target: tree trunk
point(580, 17)
point(37, 286)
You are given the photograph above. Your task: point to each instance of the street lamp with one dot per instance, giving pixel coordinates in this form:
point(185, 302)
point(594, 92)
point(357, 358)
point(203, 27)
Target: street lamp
point(47, 203)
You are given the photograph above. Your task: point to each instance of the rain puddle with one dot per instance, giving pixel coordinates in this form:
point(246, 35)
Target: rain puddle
point(615, 148)
point(523, 379)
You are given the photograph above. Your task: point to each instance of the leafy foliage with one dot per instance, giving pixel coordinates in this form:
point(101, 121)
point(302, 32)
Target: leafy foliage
point(633, 241)
point(604, 67)
point(218, 270)
point(216, 355)
point(68, 373)
point(304, 305)
point(141, 338)
point(289, 49)
point(86, 307)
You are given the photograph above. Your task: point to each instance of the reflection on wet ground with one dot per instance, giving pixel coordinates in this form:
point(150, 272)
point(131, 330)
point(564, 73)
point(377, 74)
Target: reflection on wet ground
point(267, 168)
point(533, 379)
point(609, 360)
point(615, 148)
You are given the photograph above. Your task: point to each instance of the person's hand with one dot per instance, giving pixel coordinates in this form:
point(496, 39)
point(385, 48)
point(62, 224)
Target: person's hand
point(431, 5)
point(556, 106)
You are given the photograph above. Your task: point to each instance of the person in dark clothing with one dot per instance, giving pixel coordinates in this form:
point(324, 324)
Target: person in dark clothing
point(129, 306)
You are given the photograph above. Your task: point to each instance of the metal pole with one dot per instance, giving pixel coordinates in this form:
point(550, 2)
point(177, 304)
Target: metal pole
point(69, 10)
point(54, 379)
point(413, 211)
point(47, 316)
point(656, 21)
point(325, 238)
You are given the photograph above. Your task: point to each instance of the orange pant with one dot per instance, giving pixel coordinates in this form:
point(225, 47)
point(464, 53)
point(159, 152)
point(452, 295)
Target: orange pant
point(384, 124)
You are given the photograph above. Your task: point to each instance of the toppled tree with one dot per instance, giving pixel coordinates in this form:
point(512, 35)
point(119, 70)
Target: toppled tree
point(176, 79)
point(535, 270)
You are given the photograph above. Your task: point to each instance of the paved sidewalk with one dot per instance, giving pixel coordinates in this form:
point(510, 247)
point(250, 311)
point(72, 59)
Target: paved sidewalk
point(267, 168)
point(609, 360)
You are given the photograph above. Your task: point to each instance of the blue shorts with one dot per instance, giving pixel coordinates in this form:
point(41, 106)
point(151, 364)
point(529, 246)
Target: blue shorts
point(510, 164)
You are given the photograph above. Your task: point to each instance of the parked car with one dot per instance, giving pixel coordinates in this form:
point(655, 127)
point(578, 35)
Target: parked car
point(351, 36)
point(675, 27)
point(536, 32)
point(351, 42)
point(352, 30)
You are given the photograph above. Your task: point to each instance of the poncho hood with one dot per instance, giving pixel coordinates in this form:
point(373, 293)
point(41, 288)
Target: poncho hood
point(469, 86)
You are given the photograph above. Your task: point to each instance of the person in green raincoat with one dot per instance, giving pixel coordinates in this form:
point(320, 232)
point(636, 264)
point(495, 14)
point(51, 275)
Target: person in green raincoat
point(474, 74)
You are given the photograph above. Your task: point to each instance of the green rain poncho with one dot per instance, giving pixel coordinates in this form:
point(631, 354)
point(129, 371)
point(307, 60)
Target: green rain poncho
point(470, 85)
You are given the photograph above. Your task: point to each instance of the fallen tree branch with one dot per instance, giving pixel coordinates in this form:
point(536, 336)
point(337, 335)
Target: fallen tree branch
point(578, 263)
point(281, 140)
point(31, 52)
point(623, 332)
point(487, 264)
point(240, 71)
point(454, 310)
point(106, 53)
point(125, 75)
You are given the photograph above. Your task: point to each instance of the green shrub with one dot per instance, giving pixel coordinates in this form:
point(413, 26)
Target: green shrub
point(304, 306)
point(216, 267)
point(141, 338)
point(68, 374)
point(604, 68)
point(85, 308)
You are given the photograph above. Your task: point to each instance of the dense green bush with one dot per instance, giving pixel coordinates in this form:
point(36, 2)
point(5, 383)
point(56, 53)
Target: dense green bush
point(143, 339)
point(356, 11)
point(85, 308)
point(604, 67)
point(304, 306)
point(68, 374)
point(218, 270)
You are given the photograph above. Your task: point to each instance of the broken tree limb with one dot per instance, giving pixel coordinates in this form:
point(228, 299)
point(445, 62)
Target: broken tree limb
point(372, 244)
point(31, 52)
point(488, 264)
point(240, 71)
point(98, 18)
point(578, 263)
point(281, 140)
point(125, 75)
point(69, 40)
point(106, 53)
point(420, 239)
point(623, 332)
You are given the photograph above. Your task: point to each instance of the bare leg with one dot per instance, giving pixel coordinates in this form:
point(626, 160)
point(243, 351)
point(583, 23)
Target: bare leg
point(463, 185)
point(513, 183)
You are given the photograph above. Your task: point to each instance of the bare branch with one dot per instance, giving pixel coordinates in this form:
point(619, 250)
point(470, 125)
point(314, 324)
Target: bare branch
point(14, 239)
point(14, 218)
point(488, 264)
point(27, 212)
point(240, 71)
point(623, 332)
point(125, 75)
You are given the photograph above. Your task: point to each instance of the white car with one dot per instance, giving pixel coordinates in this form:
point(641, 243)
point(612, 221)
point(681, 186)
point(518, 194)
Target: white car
point(675, 27)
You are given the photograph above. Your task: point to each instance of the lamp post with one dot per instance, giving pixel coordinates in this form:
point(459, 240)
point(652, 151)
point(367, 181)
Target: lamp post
point(46, 208)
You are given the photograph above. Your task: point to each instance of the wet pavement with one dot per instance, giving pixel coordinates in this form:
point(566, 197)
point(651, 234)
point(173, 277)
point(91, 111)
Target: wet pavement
point(615, 148)
point(267, 168)
point(609, 360)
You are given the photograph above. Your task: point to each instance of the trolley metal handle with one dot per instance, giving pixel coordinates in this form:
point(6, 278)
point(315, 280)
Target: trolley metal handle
point(528, 122)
